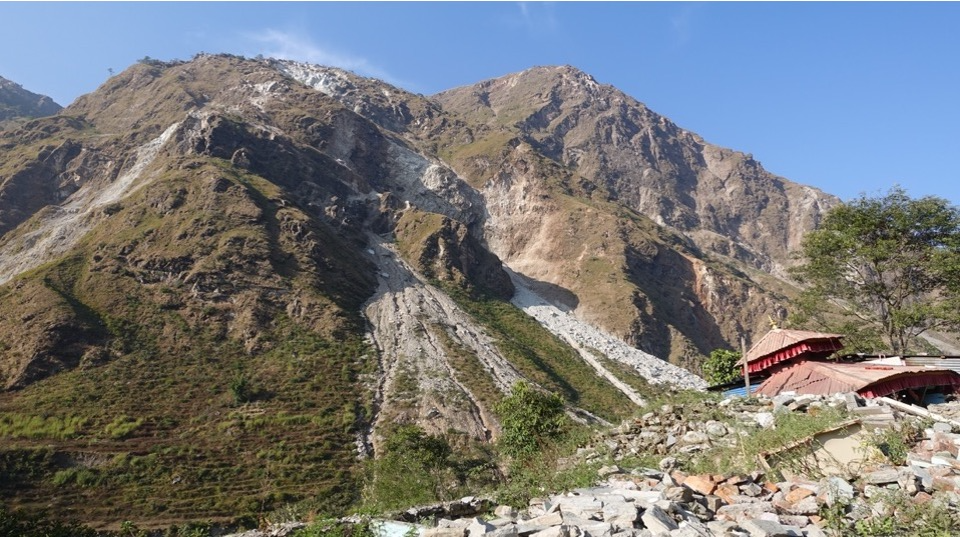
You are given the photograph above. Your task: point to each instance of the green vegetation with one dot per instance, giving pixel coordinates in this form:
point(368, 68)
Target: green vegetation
point(547, 470)
point(541, 356)
point(721, 367)
point(789, 427)
point(19, 524)
point(122, 427)
point(891, 262)
point(419, 468)
point(900, 516)
point(530, 419)
point(895, 443)
point(148, 420)
point(16, 425)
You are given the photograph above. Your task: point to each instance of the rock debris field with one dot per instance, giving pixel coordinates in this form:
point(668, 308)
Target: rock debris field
point(666, 501)
point(584, 337)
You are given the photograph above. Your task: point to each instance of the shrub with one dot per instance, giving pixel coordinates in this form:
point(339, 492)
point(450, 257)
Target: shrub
point(529, 419)
point(122, 426)
point(414, 468)
point(241, 389)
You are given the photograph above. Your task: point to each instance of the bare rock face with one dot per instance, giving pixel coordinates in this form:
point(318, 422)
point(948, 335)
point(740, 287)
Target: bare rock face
point(723, 200)
point(17, 102)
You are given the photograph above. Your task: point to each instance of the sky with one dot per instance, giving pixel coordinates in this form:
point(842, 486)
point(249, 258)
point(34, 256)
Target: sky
point(852, 98)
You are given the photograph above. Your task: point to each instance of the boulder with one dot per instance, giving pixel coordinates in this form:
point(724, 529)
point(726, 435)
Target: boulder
point(657, 520)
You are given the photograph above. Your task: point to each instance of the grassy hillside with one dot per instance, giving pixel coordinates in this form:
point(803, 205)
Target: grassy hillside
point(223, 373)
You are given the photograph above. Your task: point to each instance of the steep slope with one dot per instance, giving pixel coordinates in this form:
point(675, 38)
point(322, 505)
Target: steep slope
point(722, 199)
point(192, 324)
point(572, 170)
point(17, 102)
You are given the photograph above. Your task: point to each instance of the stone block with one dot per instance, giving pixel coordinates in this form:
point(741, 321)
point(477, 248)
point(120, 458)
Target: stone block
point(678, 494)
point(714, 503)
point(799, 521)
point(549, 519)
point(751, 489)
point(444, 532)
point(620, 515)
point(478, 527)
point(691, 528)
point(555, 531)
point(881, 477)
point(597, 529)
point(657, 520)
point(607, 471)
point(744, 511)
point(797, 494)
point(727, 493)
point(510, 530)
point(806, 506)
point(764, 528)
point(701, 484)
point(813, 531)
point(505, 511)
point(586, 507)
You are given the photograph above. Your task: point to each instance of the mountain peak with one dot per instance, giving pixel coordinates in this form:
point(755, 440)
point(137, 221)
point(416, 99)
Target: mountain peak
point(15, 101)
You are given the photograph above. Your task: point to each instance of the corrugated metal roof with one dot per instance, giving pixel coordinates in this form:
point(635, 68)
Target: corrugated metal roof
point(824, 378)
point(780, 339)
point(941, 362)
point(741, 390)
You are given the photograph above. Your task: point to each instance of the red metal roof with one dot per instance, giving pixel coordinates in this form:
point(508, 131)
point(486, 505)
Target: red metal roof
point(779, 345)
point(824, 378)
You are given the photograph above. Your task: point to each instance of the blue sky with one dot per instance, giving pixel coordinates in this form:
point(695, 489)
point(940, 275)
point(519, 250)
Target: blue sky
point(848, 97)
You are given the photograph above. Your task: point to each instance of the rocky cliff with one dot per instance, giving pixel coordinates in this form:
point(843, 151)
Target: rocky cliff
point(16, 102)
point(723, 200)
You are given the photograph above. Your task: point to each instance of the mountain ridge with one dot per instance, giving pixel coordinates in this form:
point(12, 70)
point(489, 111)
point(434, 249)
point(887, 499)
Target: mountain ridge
point(303, 257)
point(18, 102)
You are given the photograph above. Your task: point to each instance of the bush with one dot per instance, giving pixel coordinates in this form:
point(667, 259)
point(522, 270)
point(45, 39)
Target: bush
point(241, 388)
point(414, 468)
point(721, 367)
point(529, 419)
point(122, 427)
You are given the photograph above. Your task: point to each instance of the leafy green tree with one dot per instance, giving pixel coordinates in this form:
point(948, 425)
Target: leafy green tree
point(890, 262)
point(721, 367)
point(529, 418)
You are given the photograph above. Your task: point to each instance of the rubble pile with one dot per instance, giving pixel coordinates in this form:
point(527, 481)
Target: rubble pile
point(666, 501)
point(681, 429)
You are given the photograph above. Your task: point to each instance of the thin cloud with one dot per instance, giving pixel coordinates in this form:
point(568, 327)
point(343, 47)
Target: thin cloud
point(682, 23)
point(537, 17)
point(292, 46)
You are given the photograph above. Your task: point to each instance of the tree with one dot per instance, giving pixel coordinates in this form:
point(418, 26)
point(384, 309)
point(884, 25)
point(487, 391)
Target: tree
point(529, 419)
point(721, 367)
point(891, 262)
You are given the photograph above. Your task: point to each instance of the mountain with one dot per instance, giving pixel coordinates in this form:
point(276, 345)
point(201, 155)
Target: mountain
point(717, 224)
point(17, 102)
point(723, 200)
point(224, 280)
